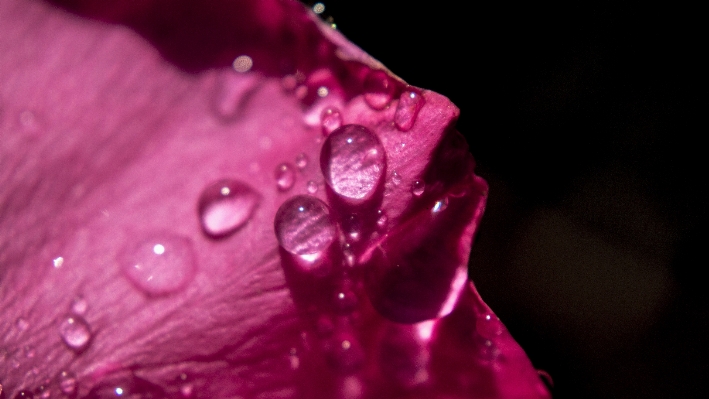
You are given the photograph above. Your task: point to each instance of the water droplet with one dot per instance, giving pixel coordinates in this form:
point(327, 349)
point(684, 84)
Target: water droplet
point(225, 206)
point(396, 178)
point(304, 226)
point(330, 119)
point(58, 262)
point(285, 177)
point(67, 382)
point(440, 205)
point(22, 324)
point(312, 187)
point(353, 162)
point(75, 333)
point(383, 220)
point(301, 161)
point(161, 264)
point(418, 187)
point(79, 305)
point(127, 387)
point(378, 89)
point(24, 394)
point(489, 326)
point(242, 63)
point(407, 110)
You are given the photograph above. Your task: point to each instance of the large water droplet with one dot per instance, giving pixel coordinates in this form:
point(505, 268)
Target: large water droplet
point(285, 177)
point(225, 206)
point(304, 226)
point(128, 387)
point(161, 264)
point(378, 89)
point(353, 162)
point(407, 110)
point(418, 187)
point(67, 382)
point(330, 120)
point(75, 332)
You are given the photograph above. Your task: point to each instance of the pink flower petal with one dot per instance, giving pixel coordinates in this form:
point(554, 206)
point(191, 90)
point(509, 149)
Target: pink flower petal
point(146, 151)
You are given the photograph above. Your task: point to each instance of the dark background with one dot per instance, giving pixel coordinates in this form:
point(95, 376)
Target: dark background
point(583, 119)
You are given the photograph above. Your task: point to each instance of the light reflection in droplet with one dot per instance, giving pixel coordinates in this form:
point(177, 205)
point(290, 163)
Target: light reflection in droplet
point(58, 262)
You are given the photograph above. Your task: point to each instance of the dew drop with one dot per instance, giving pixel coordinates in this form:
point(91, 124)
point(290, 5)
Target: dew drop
point(489, 326)
point(231, 94)
point(330, 120)
point(407, 110)
point(159, 265)
point(353, 162)
point(418, 187)
point(396, 178)
point(440, 206)
point(225, 206)
point(67, 382)
point(75, 333)
point(24, 394)
point(301, 161)
point(378, 89)
point(22, 324)
point(304, 226)
point(79, 305)
point(312, 187)
point(128, 387)
point(285, 177)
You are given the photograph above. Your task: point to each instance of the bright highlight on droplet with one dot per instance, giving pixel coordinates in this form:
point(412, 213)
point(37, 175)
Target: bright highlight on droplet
point(58, 262)
point(119, 391)
point(243, 63)
point(318, 8)
point(159, 249)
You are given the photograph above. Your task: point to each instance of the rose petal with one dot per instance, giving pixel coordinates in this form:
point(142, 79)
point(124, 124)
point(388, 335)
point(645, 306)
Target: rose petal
point(110, 139)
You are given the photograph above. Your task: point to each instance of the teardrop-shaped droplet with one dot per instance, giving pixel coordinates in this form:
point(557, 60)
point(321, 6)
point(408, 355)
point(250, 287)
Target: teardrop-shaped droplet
point(378, 89)
point(353, 162)
point(225, 206)
point(440, 205)
point(330, 120)
point(418, 187)
point(312, 187)
point(304, 226)
point(407, 110)
point(67, 382)
point(161, 264)
point(128, 387)
point(301, 161)
point(75, 332)
point(285, 177)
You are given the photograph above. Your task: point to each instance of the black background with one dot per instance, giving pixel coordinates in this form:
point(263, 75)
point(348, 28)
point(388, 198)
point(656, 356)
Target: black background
point(583, 118)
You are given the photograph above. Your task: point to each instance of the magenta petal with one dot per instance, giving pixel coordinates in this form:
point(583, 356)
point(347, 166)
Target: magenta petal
point(146, 151)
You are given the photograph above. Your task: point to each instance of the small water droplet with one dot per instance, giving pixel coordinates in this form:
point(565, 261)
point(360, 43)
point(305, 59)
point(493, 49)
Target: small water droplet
point(353, 162)
point(301, 161)
point(127, 387)
point(285, 177)
point(489, 326)
point(79, 305)
point(225, 206)
point(22, 324)
point(378, 89)
point(160, 264)
point(58, 262)
point(75, 332)
point(440, 206)
point(67, 382)
point(330, 120)
point(242, 63)
point(418, 187)
point(345, 354)
point(304, 226)
point(396, 178)
point(312, 187)
point(24, 394)
point(382, 220)
point(407, 110)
